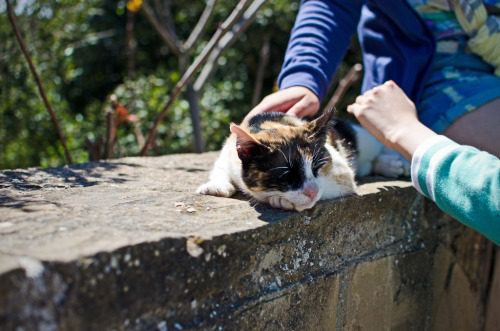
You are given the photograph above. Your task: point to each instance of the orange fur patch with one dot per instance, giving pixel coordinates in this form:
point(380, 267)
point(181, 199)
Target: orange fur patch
point(326, 170)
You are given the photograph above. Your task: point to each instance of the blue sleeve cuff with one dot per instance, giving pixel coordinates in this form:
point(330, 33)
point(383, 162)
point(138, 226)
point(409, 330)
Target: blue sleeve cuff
point(305, 79)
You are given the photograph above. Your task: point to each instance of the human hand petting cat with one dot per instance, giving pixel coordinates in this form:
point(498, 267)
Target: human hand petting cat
point(391, 117)
point(297, 100)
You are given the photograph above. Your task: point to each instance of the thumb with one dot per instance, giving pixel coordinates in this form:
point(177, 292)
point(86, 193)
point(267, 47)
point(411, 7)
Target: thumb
point(351, 109)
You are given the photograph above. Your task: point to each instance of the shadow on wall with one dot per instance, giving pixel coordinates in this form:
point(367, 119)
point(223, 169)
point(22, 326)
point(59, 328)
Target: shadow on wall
point(81, 175)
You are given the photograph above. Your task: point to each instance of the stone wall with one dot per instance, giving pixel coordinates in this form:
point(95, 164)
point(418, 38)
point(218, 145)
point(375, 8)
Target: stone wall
point(128, 245)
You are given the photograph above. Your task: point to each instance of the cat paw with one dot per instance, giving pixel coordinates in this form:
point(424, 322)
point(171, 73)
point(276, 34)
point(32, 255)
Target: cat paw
point(392, 165)
point(218, 189)
point(281, 203)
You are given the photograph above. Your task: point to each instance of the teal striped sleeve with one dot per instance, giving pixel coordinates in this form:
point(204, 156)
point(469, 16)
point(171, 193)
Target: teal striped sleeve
point(463, 181)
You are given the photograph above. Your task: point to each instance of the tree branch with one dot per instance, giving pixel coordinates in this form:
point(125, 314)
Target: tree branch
point(167, 19)
point(352, 76)
point(201, 26)
point(37, 78)
point(131, 43)
point(169, 39)
point(228, 39)
point(193, 68)
point(263, 61)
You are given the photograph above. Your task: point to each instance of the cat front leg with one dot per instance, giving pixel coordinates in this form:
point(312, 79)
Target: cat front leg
point(217, 188)
point(220, 183)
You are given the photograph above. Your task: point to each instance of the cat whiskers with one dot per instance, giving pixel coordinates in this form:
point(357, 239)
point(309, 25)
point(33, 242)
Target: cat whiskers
point(283, 155)
point(318, 155)
point(278, 168)
point(315, 151)
point(321, 162)
point(326, 159)
point(289, 159)
point(284, 173)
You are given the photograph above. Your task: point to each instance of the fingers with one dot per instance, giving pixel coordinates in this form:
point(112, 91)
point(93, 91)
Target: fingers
point(351, 109)
point(391, 84)
point(359, 104)
point(280, 101)
point(298, 101)
point(369, 97)
point(307, 106)
point(358, 110)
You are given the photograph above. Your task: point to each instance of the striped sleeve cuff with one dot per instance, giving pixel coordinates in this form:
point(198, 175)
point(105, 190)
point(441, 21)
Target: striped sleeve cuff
point(425, 161)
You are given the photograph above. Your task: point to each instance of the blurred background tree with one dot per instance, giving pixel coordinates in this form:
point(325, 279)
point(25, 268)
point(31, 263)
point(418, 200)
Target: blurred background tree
point(86, 51)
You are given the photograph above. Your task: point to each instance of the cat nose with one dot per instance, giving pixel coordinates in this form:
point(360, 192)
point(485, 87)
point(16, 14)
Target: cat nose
point(310, 190)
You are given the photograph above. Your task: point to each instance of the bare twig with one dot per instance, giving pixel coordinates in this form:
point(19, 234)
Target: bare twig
point(167, 19)
point(193, 68)
point(37, 78)
point(138, 133)
point(131, 43)
point(352, 76)
point(202, 24)
point(193, 98)
point(225, 42)
point(169, 38)
point(160, 10)
point(264, 59)
point(94, 148)
point(110, 133)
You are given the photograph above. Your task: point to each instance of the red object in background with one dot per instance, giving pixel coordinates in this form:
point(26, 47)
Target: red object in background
point(122, 113)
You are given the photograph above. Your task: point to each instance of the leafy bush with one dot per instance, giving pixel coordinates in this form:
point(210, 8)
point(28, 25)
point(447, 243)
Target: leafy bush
point(80, 52)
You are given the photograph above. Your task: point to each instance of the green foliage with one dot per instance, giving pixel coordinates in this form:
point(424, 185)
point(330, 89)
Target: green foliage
point(27, 135)
point(79, 49)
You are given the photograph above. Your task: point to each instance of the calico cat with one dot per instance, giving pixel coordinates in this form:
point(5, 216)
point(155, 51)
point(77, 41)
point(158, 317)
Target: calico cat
point(291, 163)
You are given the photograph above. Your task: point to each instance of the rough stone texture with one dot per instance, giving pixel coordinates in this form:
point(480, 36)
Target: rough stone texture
point(128, 245)
point(493, 306)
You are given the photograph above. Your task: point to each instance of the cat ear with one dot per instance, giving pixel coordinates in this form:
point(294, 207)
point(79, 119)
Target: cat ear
point(245, 143)
point(323, 125)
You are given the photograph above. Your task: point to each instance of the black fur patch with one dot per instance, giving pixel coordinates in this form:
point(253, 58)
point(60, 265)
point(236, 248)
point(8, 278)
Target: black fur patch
point(280, 169)
point(255, 123)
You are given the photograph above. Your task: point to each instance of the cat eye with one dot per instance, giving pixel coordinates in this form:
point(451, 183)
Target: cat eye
point(280, 169)
point(287, 159)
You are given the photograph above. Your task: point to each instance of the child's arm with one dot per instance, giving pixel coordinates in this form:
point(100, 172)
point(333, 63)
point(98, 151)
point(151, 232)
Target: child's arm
point(463, 181)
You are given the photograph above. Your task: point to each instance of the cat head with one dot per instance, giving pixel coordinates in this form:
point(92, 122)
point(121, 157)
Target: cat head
point(283, 158)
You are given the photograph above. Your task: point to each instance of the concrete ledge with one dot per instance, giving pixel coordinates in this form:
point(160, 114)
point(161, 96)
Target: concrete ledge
point(128, 245)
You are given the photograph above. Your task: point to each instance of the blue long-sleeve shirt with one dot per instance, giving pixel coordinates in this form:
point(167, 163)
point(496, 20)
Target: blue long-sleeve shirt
point(463, 181)
point(396, 44)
